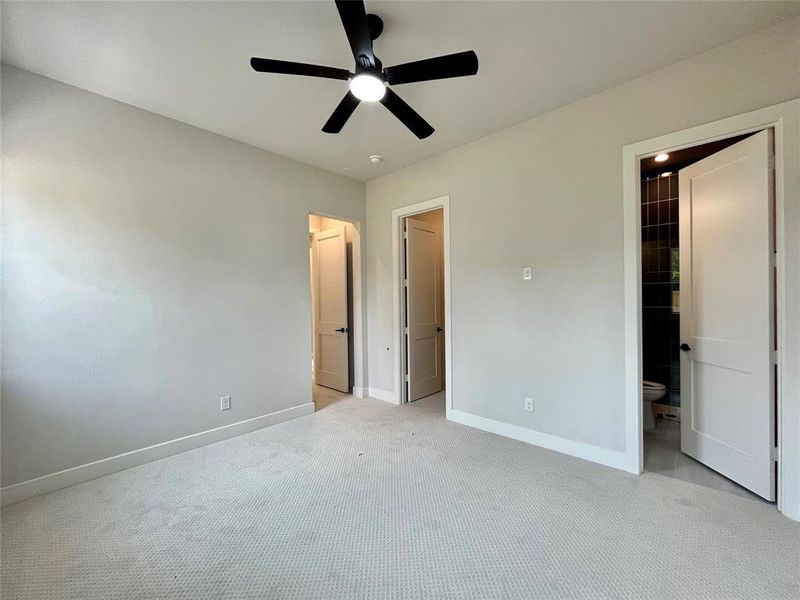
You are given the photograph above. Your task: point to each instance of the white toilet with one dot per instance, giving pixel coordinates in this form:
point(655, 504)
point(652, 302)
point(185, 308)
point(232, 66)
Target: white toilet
point(651, 392)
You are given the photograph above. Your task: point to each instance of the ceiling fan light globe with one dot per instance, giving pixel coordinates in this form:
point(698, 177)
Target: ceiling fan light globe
point(367, 88)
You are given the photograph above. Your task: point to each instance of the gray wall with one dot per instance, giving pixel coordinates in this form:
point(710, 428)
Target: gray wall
point(149, 268)
point(548, 193)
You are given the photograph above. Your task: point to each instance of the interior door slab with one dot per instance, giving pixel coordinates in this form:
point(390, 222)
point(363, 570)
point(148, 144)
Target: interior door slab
point(331, 352)
point(727, 309)
point(423, 310)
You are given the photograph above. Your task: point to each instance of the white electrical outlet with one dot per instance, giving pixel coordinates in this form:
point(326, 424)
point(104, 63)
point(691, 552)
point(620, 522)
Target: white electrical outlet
point(527, 273)
point(225, 403)
point(529, 404)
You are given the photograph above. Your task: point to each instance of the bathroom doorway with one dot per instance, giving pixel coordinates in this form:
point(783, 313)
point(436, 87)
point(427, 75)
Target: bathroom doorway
point(708, 314)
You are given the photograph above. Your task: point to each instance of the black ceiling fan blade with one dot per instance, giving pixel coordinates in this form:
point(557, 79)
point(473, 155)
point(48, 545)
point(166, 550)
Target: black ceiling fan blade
point(354, 19)
point(341, 113)
point(268, 65)
point(459, 64)
point(407, 115)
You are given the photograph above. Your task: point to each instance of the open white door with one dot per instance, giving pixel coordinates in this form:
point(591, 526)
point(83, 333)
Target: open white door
point(423, 293)
point(331, 356)
point(727, 325)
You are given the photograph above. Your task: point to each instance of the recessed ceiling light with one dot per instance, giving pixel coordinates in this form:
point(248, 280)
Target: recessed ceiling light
point(376, 159)
point(662, 157)
point(368, 88)
point(666, 173)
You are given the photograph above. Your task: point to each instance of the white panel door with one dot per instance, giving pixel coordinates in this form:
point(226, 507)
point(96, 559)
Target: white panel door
point(727, 327)
point(423, 293)
point(331, 356)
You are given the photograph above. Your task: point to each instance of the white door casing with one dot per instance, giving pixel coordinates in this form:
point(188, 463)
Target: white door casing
point(331, 352)
point(727, 313)
point(423, 310)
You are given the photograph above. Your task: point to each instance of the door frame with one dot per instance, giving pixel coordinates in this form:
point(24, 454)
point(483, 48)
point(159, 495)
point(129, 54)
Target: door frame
point(784, 120)
point(398, 215)
point(359, 302)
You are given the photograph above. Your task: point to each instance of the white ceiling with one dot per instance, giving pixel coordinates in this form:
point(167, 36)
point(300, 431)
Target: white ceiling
point(189, 61)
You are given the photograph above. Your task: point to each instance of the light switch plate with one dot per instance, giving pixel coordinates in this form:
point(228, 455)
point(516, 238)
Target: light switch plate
point(527, 273)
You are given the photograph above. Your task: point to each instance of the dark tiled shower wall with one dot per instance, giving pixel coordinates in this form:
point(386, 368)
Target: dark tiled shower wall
point(660, 278)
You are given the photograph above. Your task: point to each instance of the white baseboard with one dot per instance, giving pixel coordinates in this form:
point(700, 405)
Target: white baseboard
point(597, 454)
point(68, 477)
point(382, 395)
point(360, 392)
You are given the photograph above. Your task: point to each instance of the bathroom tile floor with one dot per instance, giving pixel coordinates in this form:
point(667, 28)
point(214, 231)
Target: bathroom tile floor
point(662, 455)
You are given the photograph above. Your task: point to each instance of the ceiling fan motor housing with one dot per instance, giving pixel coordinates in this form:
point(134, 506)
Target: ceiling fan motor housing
point(364, 63)
point(363, 66)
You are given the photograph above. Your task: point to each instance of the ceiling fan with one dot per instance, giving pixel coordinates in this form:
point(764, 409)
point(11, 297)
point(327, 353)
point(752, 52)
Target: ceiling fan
point(370, 82)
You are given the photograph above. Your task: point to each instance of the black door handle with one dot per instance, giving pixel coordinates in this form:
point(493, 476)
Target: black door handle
point(342, 330)
point(438, 330)
point(685, 347)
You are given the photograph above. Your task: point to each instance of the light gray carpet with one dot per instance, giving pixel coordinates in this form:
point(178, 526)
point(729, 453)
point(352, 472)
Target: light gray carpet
point(366, 500)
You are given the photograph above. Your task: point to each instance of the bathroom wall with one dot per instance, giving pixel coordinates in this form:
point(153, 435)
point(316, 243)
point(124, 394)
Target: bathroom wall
point(661, 283)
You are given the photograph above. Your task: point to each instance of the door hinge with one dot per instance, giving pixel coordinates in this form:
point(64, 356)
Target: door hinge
point(773, 259)
point(407, 378)
point(773, 453)
point(773, 356)
point(406, 331)
point(405, 282)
